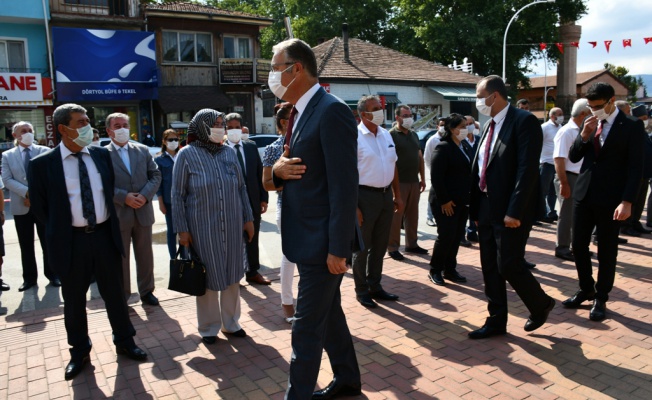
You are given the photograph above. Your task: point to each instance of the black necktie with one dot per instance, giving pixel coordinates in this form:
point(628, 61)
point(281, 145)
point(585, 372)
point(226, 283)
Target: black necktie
point(28, 156)
point(88, 206)
point(240, 160)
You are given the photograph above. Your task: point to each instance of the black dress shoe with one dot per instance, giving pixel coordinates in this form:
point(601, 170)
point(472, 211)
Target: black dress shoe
point(565, 255)
point(239, 333)
point(436, 278)
point(74, 367)
point(132, 351)
point(528, 264)
point(640, 228)
point(487, 331)
point(336, 389)
point(3, 286)
point(630, 232)
point(383, 295)
point(209, 339)
point(430, 222)
point(465, 243)
point(396, 255)
point(366, 300)
point(547, 220)
point(622, 240)
point(26, 285)
point(454, 276)
point(577, 299)
point(56, 282)
point(472, 237)
point(416, 250)
point(537, 223)
point(535, 322)
point(150, 299)
point(598, 311)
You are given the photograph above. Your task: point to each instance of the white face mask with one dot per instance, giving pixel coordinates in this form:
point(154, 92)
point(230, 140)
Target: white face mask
point(407, 123)
point(560, 120)
point(462, 134)
point(95, 143)
point(646, 123)
point(441, 130)
point(470, 128)
point(378, 117)
point(234, 135)
point(245, 136)
point(172, 145)
point(601, 114)
point(275, 85)
point(85, 135)
point(217, 135)
point(481, 105)
point(121, 135)
point(27, 138)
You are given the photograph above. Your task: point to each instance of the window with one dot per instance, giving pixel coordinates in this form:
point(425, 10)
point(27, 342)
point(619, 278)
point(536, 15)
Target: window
point(237, 47)
point(187, 47)
point(12, 56)
point(100, 3)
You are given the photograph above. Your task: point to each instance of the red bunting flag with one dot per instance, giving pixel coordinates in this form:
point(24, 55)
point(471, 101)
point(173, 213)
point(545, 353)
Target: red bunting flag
point(607, 43)
point(542, 46)
point(593, 44)
point(560, 46)
point(576, 44)
point(647, 40)
point(627, 42)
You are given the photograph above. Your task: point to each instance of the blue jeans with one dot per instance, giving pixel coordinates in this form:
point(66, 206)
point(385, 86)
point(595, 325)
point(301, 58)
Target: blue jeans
point(548, 198)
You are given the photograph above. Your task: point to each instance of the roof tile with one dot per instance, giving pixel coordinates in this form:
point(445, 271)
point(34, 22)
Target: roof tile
point(184, 7)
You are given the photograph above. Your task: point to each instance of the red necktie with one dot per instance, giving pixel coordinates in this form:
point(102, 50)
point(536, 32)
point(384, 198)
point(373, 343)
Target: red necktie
point(596, 139)
point(487, 152)
point(288, 132)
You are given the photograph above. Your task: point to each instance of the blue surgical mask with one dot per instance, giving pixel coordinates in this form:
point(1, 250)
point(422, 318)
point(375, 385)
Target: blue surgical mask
point(85, 135)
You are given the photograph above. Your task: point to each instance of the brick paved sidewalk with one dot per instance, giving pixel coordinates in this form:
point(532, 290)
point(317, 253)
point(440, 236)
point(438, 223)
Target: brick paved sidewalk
point(415, 348)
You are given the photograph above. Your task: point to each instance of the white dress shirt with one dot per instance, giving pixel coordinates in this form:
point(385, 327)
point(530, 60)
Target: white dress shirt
point(563, 142)
point(241, 150)
point(606, 128)
point(376, 157)
point(302, 103)
point(73, 186)
point(431, 143)
point(498, 121)
point(549, 132)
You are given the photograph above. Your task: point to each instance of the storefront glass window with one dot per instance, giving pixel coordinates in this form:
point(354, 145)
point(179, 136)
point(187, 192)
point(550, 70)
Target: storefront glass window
point(9, 117)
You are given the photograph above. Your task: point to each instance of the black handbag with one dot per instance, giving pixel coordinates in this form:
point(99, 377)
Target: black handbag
point(188, 275)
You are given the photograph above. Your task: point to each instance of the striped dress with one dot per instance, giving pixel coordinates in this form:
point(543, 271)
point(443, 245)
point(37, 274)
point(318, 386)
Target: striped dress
point(209, 200)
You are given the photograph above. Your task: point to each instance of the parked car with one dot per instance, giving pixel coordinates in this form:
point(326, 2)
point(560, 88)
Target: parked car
point(262, 141)
point(424, 136)
point(152, 150)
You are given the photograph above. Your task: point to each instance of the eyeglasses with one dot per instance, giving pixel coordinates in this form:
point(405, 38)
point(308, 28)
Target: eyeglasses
point(600, 107)
point(272, 68)
point(172, 140)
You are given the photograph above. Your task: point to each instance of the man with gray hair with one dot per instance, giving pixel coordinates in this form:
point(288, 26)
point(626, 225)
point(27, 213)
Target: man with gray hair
point(378, 198)
point(547, 165)
point(136, 180)
point(624, 107)
point(567, 172)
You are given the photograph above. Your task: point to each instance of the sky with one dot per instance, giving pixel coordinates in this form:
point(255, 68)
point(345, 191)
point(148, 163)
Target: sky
point(613, 20)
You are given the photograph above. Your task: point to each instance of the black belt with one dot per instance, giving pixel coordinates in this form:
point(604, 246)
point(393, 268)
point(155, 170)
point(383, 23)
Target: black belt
point(376, 189)
point(90, 229)
point(571, 173)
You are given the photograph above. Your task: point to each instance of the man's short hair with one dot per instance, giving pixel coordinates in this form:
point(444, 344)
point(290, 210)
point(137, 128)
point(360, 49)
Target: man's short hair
point(639, 111)
point(297, 50)
point(522, 102)
point(555, 110)
point(62, 114)
point(580, 106)
point(600, 91)
point(113, 116)
point(494, 84)
point(397, 112)
point(622, 104)
point(20, 124)
point(362, 103)
point(232, 116)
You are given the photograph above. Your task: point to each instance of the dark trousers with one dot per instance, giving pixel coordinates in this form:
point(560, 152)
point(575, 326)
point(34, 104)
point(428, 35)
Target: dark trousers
point(547, 190)
point(648, 218)
point(377, 211)
point(94, 254)
point(319, 325)
point(450, 229)
point(501, 255)
point(253, 252)
point(638, 205)
point(25, 231)
point(585, 217)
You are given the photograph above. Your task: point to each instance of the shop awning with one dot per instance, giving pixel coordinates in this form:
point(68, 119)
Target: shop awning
point(455, 93)
point(45, 102)
point(191, 98)
point(390, 98)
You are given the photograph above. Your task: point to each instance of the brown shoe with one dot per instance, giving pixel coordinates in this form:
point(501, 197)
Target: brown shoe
point(258, 279)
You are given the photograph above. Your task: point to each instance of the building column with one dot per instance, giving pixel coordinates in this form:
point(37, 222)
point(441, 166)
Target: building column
point(567, 67)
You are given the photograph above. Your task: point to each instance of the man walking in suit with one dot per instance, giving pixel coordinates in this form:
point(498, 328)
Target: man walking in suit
point(613, 147)
point(14, 175)
point(136, 180)
point(319, 175)
point(504, 202)
point(71, 193)
point(252, 169)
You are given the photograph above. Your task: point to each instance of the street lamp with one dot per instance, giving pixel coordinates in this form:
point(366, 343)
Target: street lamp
point(507, 29)
point(545, 102)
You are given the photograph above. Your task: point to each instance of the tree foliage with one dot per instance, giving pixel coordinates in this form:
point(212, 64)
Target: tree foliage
point(632, 82)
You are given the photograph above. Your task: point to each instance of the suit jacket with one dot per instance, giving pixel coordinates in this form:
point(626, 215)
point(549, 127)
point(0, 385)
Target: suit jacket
point(319, 210)
point(615, 174)
point(450, 175)
point(512, 170)
point(254, 177)
point(50, 204)
point(144, 179)
point(15, 176)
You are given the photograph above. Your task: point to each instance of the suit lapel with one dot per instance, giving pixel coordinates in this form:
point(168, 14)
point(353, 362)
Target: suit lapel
point(615, 131)
point(305, 116)
point(18, 157)
point(503, 135)
point(115, 157)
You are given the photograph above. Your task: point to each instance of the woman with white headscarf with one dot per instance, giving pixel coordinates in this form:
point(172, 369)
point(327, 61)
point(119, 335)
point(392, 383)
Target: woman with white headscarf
point(210, 210)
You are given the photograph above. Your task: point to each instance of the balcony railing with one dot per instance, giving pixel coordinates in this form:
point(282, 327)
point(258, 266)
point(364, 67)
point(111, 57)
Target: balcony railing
point(113, 8)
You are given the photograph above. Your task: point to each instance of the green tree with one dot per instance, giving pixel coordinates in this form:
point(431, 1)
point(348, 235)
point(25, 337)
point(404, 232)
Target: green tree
point(632, 82)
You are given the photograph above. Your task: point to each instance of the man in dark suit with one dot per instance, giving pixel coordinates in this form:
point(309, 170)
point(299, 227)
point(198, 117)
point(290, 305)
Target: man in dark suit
point(504, 202)
point(252, 169)
point(612, 145)
point(319, 175)
point(71, 192)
